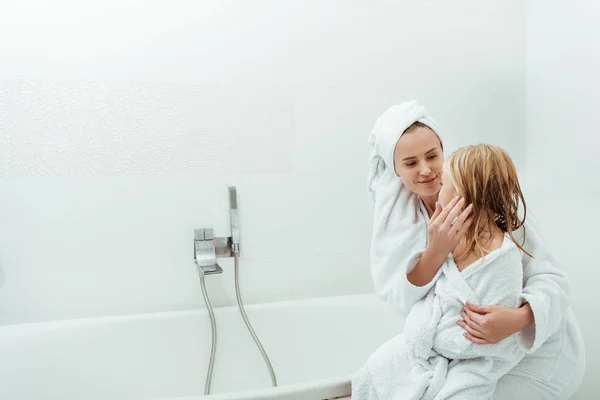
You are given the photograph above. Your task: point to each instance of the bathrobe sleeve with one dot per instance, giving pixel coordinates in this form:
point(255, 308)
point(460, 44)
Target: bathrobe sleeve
point(546, 288)
point(398, 240)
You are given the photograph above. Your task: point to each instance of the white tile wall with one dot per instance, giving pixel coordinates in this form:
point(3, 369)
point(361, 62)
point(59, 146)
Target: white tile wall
point(562, 151)
point(122, 123)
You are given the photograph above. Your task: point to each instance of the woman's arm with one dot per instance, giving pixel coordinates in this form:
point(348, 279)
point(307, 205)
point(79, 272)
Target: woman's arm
point(407, 250)
point(398, 240)
point(426, 268)
point(445, 228)
point(400, 220)
point(546, 289)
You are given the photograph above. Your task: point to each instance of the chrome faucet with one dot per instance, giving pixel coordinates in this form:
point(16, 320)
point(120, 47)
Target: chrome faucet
point(205, 253)
point(208, 248)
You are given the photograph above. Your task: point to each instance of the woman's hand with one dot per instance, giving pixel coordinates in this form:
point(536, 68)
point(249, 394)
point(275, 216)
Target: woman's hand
point(448, 226)
point(492, 324)
point(445, 229)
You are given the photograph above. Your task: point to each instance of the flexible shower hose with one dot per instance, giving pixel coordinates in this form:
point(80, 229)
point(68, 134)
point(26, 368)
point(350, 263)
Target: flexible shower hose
point(248, 325)
point(214, 328)
point(213, 348)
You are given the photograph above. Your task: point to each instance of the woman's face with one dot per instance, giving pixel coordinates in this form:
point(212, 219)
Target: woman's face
point(448, 191)
point(418, 160)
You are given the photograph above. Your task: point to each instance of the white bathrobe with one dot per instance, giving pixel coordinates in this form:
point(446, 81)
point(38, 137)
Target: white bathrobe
point(555, 358)
point(432, 359)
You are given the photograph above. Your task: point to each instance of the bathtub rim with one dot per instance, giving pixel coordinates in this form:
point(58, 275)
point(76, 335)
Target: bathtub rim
point(328, 388)
point(52, 324)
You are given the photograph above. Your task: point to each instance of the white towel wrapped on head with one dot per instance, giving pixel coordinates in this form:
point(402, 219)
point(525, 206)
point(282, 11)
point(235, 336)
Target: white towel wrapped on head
point(390, 126)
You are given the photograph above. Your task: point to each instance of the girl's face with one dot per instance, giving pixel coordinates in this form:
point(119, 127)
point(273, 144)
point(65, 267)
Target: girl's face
point(418, 160)
point(448, 191)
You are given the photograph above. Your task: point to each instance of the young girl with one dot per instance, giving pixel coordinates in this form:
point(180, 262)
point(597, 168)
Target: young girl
point(434, 359)
point(484, 268)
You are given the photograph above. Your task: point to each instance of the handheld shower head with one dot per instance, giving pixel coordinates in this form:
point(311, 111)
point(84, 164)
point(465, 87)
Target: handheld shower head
point(234, 220)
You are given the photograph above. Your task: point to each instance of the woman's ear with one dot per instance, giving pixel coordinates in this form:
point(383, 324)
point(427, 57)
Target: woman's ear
point(395, 165)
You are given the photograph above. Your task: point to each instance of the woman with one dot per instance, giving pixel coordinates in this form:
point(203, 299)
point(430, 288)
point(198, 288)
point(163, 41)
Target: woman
point(433, 359)
point(409, 246)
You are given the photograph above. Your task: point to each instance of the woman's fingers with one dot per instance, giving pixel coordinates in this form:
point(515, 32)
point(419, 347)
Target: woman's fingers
point(474, 319)
point(463, 217)
point(456, 210)
point(438, 210)
point(471, 331)
point(449, 207)
point(471, 328)
point(468, 320)
point(463, 229)
point(482, 310)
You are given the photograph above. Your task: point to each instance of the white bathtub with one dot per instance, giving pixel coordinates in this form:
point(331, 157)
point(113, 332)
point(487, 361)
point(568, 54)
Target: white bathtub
point(314, 346)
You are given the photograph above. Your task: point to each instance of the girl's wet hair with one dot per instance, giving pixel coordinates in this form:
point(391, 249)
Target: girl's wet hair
point(486, 177)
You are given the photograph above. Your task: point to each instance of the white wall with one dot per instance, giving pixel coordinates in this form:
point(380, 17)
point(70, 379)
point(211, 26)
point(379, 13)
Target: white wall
point(563, 185)
point(122, 123)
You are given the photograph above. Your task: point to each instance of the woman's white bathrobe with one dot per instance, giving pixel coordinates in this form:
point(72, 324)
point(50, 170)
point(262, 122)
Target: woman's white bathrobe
point(554, 362)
